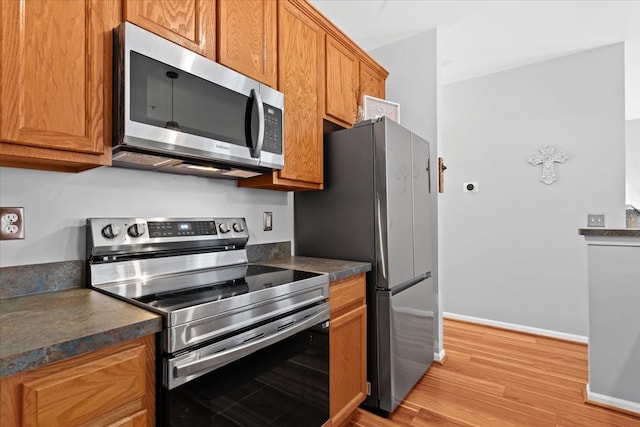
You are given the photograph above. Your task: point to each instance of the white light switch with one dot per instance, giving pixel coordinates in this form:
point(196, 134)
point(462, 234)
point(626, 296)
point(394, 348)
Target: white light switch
point(267, 221)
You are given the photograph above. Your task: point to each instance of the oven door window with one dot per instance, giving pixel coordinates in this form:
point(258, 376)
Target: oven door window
point(284, 384)
point(170, 98)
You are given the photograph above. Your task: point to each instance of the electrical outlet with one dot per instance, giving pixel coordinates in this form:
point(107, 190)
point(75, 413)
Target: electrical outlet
point(267, 221)
point(595, 220)
point(11, 223)
point(470, 187)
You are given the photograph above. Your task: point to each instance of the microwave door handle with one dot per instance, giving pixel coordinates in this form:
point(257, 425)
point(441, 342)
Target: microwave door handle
point(257, 100)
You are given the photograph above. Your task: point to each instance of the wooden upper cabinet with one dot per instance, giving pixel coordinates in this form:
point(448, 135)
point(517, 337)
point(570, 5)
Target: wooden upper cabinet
point(300, 77)
point(189, 23)
point(56, 83)
point(341, 82)
point(371, 83)
point(247, 35)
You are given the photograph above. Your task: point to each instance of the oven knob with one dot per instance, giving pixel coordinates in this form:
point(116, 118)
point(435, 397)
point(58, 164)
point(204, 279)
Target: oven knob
point(136, 230)
point(238, 227)
point(224, 227)
point(111, 231)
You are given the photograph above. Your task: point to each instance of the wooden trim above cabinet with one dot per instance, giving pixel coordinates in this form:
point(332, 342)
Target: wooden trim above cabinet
point(272, 181)
point(21, 156)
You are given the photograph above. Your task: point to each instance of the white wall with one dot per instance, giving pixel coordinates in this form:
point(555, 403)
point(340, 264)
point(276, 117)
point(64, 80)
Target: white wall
point(57, 205)
point(632, 170)
point(511, 252)
point(413, 83)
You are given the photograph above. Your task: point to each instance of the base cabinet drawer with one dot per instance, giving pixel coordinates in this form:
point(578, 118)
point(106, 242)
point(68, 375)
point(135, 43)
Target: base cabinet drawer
point(114, 386)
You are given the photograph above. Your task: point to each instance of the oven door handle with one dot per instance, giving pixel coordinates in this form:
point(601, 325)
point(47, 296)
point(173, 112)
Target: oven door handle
point(224, 357)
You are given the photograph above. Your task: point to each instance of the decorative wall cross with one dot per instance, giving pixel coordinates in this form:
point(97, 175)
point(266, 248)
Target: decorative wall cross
point(547, 157)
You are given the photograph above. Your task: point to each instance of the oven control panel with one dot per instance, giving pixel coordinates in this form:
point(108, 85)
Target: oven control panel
point(181, 228)
point(111, 232)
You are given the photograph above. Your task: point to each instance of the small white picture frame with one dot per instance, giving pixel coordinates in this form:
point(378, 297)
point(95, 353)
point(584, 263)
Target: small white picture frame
point(376, 107)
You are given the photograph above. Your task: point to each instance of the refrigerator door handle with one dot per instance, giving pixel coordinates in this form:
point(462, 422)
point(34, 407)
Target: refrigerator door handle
point(429, 173)
point(381, 239)
point(410, 283)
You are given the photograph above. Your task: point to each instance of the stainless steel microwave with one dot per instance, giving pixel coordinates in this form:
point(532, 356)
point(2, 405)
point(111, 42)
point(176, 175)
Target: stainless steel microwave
point(176, 111)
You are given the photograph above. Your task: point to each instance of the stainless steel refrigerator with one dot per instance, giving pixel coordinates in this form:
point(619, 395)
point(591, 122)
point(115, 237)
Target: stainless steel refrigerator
point(376, 207)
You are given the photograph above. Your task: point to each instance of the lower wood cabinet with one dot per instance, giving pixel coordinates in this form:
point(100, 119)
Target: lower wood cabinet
point(114, 386)
point(347, 348)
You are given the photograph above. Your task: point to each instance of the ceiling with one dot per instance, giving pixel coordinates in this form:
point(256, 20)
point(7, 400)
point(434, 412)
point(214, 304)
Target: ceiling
point(476, 38)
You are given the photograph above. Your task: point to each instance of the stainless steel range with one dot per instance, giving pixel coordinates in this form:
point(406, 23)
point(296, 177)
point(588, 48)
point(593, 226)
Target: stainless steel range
point(238, 338)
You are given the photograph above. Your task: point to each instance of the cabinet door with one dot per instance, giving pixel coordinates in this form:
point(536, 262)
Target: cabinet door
point(341, 82)
point(56, 80)
point(189, 23)
point(89, 390)
point(300, 77)
point(300, 73)
point(371, 83)
point(247, 33)
point(347, 358)
point(347, 347)
point(114, 386)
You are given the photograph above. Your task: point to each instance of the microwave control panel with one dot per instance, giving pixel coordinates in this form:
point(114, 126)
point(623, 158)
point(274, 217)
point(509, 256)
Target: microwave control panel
point(272, 129)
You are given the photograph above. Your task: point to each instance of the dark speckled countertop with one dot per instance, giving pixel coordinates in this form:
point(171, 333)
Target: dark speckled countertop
point(58, 320)
point(610, 232)
point(336, 269)
point(36, 330)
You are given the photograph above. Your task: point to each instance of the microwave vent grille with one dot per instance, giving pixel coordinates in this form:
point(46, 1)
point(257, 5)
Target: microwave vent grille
point(238, 173)
point(142, 159)
point(215, 171)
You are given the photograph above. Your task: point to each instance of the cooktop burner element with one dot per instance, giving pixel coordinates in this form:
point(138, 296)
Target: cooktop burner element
point(251, 278)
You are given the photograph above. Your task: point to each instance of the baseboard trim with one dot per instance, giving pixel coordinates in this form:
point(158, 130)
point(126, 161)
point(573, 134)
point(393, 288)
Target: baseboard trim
point(519, 328)
point(614, 403)
point(440, 357)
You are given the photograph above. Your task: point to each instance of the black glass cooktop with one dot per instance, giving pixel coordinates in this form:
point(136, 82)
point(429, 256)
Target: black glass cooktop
point(196, 288)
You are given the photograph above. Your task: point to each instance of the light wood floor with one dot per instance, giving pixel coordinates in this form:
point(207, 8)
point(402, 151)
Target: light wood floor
point(494, 377)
